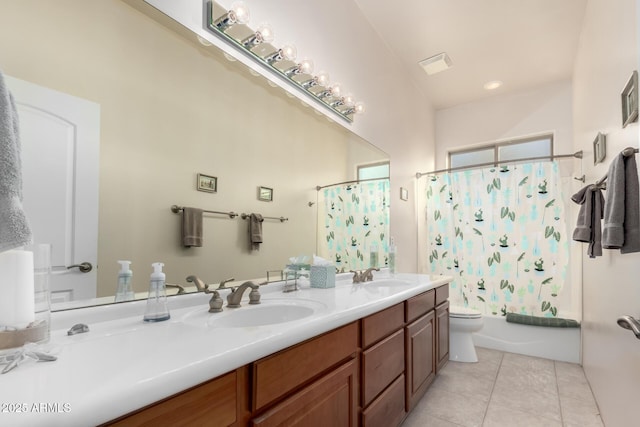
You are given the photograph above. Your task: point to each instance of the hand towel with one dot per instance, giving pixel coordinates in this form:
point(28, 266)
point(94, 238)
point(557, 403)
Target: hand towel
point(191, 227)
point(255, 230)
point(622, 206)
point(14, 227)
point(588, 227)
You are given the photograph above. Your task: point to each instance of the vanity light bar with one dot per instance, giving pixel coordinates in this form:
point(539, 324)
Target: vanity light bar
point(230, 25)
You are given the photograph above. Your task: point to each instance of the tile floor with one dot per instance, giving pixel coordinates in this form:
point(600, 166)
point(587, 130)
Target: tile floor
point(506, 389)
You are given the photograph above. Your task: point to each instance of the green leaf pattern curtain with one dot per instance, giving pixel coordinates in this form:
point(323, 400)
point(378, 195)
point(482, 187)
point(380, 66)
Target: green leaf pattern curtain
point(501, 233)
point(353, 219)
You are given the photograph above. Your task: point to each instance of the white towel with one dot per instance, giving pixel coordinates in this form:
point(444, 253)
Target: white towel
point(14, 228)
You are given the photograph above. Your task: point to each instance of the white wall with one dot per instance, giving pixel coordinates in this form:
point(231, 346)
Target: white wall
point(338, 38)
point(607, 55)
point(543, 109)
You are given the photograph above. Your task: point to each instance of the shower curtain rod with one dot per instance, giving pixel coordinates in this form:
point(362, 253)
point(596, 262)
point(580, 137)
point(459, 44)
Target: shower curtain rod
point(577, 155)
point(355, 181)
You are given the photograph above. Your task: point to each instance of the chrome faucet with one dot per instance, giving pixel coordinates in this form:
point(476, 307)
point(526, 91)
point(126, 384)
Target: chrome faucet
point(215, 303)
point(364, 276)
point(233, 299)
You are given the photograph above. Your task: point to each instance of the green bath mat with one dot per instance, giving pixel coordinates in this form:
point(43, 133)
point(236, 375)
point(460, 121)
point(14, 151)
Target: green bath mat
point(554, 322)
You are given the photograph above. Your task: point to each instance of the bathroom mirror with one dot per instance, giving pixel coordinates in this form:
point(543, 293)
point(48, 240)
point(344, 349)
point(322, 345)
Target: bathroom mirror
point(171, 108)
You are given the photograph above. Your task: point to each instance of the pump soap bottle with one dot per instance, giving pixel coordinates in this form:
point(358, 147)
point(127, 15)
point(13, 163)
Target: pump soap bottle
point(392, 257)
point(124, 292)
point(157, 310)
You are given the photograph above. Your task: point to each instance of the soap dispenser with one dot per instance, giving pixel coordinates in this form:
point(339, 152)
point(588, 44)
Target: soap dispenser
point(392, 257)
point(157, 310)
point(124, 291)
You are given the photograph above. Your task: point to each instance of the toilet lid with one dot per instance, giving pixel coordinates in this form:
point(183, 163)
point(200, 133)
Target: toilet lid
point(464, 312)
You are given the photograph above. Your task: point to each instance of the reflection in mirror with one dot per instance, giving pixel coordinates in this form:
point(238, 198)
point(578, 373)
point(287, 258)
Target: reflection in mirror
point(170, 109)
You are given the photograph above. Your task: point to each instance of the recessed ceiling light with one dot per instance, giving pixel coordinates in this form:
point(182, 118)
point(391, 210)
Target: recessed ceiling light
point(494, 84)
point(436, 63)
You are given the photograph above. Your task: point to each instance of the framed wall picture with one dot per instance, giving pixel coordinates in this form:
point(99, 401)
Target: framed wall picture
point(265, 194)
point(599, 148)
point(629, 99)
point(207, 183)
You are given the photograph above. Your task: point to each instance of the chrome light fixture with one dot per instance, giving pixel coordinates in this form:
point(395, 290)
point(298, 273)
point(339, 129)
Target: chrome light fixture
point(231, 26)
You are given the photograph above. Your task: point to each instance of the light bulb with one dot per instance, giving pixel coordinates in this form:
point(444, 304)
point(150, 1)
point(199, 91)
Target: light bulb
point(322, 78)
point(336, 90)
point(264, 33)
point(348, 100)
point(239, 13)
point(359, 108)
point(288, 52)
point(305, 66)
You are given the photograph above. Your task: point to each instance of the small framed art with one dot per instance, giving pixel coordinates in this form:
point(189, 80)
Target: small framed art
point(629, 99)
point(265, 194)
point(207, 183)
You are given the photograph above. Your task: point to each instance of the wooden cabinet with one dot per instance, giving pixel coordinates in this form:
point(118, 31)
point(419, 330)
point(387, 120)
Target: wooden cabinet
point(383, 365)
point(329, 401)
point(442, 334)
point(420, 357)
point(214, 403)
point(371, 372)
point(278, 374)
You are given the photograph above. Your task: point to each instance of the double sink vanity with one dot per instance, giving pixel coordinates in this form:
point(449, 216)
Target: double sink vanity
point(356, 354)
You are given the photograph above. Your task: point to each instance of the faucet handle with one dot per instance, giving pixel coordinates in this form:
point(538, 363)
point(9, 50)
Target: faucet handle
point(215, 303)
point(222, 283)
point(254, 296)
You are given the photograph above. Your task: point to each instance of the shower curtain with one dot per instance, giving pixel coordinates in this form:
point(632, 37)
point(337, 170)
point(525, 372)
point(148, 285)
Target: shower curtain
point(353, 220)
point(501, 233)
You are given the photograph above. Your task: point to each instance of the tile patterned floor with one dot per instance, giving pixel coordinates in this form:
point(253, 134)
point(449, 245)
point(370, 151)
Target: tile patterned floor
point(506, 389)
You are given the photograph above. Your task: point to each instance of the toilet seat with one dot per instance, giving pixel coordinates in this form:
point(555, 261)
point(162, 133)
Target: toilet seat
point(464, 313)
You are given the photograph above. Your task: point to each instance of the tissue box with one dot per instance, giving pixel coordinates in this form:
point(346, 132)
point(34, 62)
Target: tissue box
point(322, 276)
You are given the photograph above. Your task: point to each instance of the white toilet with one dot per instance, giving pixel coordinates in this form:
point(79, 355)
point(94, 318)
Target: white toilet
point(462, 323)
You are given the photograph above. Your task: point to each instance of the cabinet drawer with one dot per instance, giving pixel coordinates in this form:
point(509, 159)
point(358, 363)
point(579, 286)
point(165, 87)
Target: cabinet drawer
point(419, 305)
point(442, 293)
point(381, 364)
point(212, 403)
point(388, 409)
point(329, 401)
point(381, 324)
point(280, 373)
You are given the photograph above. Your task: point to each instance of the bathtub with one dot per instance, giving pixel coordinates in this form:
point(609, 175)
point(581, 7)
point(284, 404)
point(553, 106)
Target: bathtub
point(561, 344)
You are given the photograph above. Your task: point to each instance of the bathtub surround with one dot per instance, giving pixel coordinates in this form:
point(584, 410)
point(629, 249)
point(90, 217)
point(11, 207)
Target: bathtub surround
point(501, 232)
point(14, 228)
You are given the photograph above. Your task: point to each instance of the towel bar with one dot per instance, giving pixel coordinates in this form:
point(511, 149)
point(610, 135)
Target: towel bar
point(177, 209)
point(281, 219)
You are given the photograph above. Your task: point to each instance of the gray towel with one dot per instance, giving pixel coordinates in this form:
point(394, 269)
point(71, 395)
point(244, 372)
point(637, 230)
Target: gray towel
point(622, 206)
point(554, 322)
point(14, 228)
point(191, 227)
point(255, 230)
point(588, 227)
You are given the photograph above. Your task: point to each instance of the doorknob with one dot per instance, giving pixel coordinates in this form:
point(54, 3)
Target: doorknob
point(628, 322)
point(84, 267)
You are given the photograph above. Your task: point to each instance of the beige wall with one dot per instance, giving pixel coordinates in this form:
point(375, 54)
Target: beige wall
point(169, 111)
point(611, 355)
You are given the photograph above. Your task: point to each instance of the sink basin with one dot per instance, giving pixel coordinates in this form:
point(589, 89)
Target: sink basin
point(268, 312)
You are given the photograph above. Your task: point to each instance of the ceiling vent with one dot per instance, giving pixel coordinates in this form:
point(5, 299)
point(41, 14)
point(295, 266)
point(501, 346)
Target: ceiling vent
point(436, 63)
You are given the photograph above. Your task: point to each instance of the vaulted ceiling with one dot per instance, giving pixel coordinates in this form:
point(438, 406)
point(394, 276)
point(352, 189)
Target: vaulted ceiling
point(522, 43)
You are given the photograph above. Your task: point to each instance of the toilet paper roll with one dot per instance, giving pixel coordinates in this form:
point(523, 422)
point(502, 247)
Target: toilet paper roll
point(16, 288)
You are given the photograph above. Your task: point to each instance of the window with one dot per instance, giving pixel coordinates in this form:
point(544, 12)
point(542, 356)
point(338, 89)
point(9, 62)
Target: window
point(373, 171)
point(513, 150)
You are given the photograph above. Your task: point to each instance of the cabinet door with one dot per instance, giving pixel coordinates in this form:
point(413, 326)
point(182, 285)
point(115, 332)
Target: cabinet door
point(421, 357)
point(442, 328)
point(330, 401)
point(210, 404)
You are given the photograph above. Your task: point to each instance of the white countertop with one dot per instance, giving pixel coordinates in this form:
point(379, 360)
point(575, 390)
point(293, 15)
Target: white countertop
point(123, 363)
